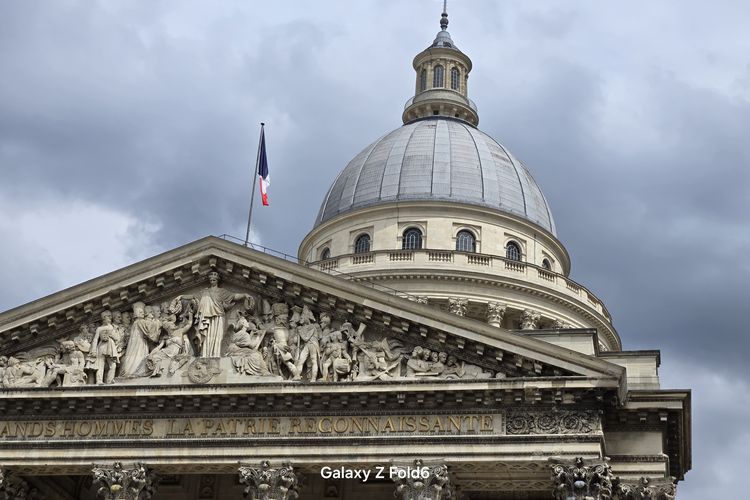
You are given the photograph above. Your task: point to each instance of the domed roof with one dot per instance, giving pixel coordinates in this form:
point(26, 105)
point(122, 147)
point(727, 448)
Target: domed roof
point(437, 159)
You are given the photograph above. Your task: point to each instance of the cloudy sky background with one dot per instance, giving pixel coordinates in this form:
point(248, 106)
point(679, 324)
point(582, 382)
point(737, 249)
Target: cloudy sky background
point(129, 128)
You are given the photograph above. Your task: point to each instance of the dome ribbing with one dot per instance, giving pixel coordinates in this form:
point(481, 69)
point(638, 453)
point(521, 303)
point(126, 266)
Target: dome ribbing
point(438, 159)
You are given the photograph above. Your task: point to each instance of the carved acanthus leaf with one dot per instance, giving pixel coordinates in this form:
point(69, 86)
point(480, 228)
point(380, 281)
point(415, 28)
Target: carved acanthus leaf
point(496, 313)
point(646, 489)
point(582, 480)
point(423, 482)
point(530, 319)
point(458, 305)
point(269, 483)
point(13, 487)
point(117, 482)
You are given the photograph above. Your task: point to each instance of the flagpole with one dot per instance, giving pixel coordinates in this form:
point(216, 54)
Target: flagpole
point(255, 180)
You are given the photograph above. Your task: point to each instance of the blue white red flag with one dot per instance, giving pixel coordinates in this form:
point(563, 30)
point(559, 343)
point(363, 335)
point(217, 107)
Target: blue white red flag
point(265, 178)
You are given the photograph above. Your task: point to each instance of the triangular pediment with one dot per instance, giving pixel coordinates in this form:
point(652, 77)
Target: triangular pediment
point(162, 322)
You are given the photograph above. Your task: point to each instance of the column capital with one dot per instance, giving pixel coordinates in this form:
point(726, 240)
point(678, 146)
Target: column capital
point(117, 482)
point(13, 487)
point(269, 483)
point(646, 489)
point(458, 305)
point(495, 313)
point(530, 319)
point(581, 479)
point(422, 482)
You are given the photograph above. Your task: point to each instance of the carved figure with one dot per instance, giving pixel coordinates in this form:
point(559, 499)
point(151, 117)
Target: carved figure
point(418, 363)
point(379, 362)
point(310, 334)
point(336, 356)
point(134, 361)
point(456, 369)
point(173, 351)
point(437, 362)
point(18, 374)
point(105, 353)
point(71, 366)
point(282, 352)
point(84, 338)
point(452, 369)
point(213, 302)
point(244, 348)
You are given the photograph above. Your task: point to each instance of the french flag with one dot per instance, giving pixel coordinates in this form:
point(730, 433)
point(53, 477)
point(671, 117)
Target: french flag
point(265, 178)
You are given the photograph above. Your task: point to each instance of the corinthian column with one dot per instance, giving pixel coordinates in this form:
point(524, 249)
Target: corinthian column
point(116, 482)
point(581, 479)
point(647, 489)
point(529, 319)
point(422, 482)
point(495, 313)
point(267, 483)
point(458, 305)
point(13, 487)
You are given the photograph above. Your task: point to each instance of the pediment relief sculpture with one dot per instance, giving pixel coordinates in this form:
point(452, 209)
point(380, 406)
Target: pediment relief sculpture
point(213, 334)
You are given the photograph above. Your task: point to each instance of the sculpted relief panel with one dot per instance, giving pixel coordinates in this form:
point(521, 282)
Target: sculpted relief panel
point(216, 335)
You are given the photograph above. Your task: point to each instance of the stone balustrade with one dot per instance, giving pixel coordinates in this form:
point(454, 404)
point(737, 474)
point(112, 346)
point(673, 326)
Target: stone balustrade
point(452, 260)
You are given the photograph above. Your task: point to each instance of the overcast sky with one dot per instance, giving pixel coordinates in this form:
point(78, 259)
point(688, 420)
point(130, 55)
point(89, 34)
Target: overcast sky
point(129, 128)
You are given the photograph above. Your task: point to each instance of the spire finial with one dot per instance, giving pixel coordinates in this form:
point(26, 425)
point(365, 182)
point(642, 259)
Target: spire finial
point(444, 17)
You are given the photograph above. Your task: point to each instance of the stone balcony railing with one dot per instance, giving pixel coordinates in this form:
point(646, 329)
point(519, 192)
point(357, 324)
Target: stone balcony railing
point(451, 260)
point(436, 94)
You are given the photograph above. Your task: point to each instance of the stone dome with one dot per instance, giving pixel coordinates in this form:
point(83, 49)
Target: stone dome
point(441, 159)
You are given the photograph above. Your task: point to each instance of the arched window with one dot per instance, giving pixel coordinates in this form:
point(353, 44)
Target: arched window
point(546, 264)
point(438, 75)
point(362, 244)
point(412, 239)
point(465, 241)
point(423, 80)
point(325, 254)
point(455, 76)
point(513, 251)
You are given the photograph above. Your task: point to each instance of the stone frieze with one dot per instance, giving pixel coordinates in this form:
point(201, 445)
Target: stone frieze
point(553, 422)
point(216, 335)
